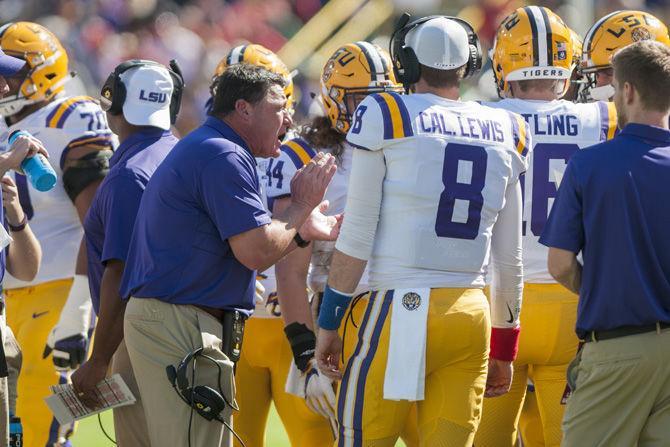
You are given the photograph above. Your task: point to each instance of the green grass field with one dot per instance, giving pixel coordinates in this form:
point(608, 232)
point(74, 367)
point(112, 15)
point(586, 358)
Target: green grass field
point(89, 433)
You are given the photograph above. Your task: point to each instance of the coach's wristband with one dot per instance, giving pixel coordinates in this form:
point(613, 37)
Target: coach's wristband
point(333, 307)
point(505, 343)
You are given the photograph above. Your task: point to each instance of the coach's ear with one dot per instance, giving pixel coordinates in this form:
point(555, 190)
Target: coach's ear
point(243, 109)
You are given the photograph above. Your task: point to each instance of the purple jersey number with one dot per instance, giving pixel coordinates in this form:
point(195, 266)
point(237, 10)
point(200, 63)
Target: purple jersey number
point(544, 188)
point(471, 192)
point(275, 173)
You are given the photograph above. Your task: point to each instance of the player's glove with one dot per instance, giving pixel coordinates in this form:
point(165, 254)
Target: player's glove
point(68, 340)
point(260, 290)
point(319, 392)
point(315, 388)
point(304, 379)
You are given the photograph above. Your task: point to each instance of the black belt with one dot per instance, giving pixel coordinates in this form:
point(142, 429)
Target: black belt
point(624, 331)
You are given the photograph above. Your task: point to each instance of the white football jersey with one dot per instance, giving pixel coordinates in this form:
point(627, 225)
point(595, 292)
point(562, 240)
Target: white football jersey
point(558, 129)
point(266, 278)
point(294, 155)
point(63, 124)
point(446, 167)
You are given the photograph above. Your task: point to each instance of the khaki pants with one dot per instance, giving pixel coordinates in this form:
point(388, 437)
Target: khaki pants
point(130, 425)
point(621, 393)
point(158, 334)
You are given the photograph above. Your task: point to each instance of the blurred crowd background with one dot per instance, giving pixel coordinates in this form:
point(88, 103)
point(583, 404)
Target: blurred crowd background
point(99, 34)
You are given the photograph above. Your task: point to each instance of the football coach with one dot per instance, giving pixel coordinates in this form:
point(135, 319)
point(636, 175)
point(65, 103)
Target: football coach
point(202, 232)
point(612, 207)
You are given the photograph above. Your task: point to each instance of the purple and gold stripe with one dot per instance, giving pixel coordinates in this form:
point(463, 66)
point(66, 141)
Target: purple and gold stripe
point(397, 122)
point(59, 114)
point(350, 405)
point(520, 134)
point(608, 120)
point(298, 151)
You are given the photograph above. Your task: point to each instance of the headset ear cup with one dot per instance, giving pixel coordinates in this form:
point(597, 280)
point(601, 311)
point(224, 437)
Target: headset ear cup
point(207, 401)
point(118, 96)
point(411, 64)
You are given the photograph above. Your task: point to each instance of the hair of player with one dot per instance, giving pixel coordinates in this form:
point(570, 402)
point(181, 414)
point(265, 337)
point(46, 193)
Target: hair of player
point(320, 134)
point(645, 65)
point(242, 81)
point(442, 78)
point(537, 84)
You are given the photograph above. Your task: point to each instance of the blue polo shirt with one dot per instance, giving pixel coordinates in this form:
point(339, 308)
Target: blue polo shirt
point(206, 191)
point(109, 222)
point(612, 206)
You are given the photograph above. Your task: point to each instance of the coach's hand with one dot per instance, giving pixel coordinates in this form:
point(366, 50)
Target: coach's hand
point(499, 378)
point(319, 227)
point(309, 184)
point(328, 352)
point(85, 379)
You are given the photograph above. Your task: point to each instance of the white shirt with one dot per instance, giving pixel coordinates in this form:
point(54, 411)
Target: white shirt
point(558, 129)
point(435, 194)
point(63, 124)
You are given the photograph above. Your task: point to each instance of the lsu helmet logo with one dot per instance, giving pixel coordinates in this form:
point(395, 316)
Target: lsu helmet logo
point(411, 301)
point(640, 33)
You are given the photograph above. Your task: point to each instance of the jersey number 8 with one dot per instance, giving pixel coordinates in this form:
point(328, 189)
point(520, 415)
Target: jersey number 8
point(457, 159)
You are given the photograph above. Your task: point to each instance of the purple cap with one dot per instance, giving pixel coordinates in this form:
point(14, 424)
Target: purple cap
point(9, 65)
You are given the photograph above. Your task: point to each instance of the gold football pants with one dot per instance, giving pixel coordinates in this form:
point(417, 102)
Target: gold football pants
point(457, 343)
point(547, 345)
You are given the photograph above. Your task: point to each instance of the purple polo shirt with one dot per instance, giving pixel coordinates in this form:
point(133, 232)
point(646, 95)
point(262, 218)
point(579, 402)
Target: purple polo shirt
point(205, 192)
point(109, 222)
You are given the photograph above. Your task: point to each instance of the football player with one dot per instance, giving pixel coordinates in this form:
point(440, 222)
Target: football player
point(433, 195)
point(354, 71)
point(263, 366)
point(611, 32)
point(533, 60)
point(75, 132)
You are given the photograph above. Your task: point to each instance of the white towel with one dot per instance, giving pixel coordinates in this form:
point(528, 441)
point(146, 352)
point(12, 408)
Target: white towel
point(406, 366)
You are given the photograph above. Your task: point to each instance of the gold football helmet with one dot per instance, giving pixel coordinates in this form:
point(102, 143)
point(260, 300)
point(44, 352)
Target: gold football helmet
point(354, 71)
point(532, 43)
point(46, 59)
point(611, 32)
point(255, 54)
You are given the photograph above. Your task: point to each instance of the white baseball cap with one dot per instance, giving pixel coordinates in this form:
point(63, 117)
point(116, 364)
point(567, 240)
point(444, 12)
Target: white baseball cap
point(439, 43)
point(148, 92)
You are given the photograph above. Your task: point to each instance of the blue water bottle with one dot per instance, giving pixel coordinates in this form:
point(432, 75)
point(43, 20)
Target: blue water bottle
point(15, 432)
point(37, 168)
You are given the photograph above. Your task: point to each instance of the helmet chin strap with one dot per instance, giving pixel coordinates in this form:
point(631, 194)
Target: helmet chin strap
point(602, 93)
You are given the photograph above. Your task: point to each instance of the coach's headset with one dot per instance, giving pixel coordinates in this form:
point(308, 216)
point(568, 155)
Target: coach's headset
point(406, 65)
point(205, 400)
point(114, 90)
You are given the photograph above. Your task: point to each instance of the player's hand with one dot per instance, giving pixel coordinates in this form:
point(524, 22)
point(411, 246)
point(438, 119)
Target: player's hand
point(85, 379)
point(319, 227)
point(68, 352)
point(10, 200)
point(499, 378)
point(319, 392)
point(309, 184)
point(328, 351)
point(22, 148)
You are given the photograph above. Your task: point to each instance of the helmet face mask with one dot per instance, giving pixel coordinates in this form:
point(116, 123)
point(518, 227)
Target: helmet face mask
point(353, 72)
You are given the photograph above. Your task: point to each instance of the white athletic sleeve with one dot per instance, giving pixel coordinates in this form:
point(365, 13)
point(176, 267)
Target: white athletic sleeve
point(364, 198)
point(368, 123)
point(506, 261)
